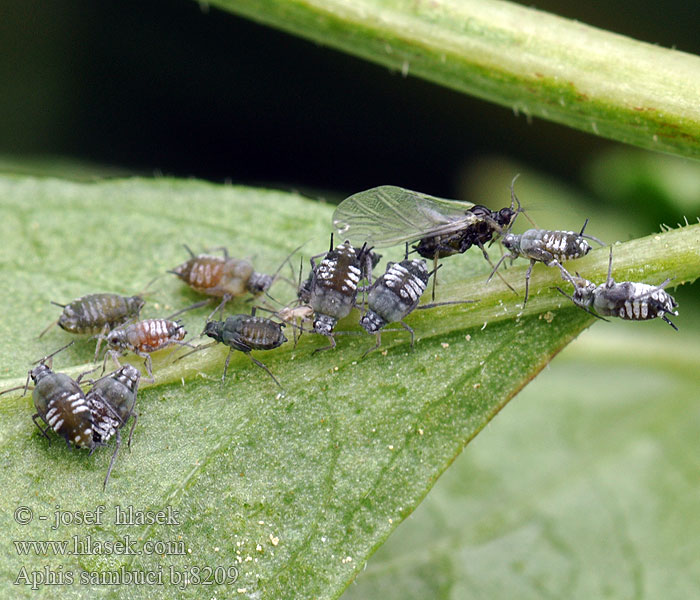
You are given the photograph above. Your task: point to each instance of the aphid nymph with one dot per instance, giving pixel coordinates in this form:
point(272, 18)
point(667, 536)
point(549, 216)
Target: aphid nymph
point(244, 333)
point(97, 314)
point(111, 401)
point(627, 300)
point(61, 404)
point(551, 247)
point(394, 295)
point(144, 337)
point(333, 288)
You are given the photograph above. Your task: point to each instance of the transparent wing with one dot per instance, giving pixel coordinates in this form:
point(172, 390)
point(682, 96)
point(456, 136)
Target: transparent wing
point(388, 216)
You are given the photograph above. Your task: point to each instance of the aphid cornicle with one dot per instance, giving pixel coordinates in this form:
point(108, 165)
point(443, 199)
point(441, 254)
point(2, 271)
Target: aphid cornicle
point(144, 337)
point(394, 295)
point(627, 300)
point(111, 401)
point(333, 288)
point(244, 333)
point(551, 247)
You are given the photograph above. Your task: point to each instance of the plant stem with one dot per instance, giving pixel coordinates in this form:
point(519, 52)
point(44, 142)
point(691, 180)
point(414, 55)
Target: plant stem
point(533, 62)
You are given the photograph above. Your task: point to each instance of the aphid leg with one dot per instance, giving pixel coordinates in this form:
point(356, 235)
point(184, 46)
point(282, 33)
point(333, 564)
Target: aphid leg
point(187, 248)
point(149, 368)
point(665, 318)
point(262, 366)
point(588, 310)
point(378, 335)
point(43, 431)
point(131, 431)
point(223, 249)
point(331, 346)
point(527, 281)
point(435, 268)
point(115, 357)
point(111, 462)
point(413, 335)
point(488, 260)
point(100, 336)
point(228, 360)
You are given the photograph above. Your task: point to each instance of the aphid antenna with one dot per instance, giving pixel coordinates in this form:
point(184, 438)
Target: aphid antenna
point(275, 275)
point(449, 303)
point(590, 237)
point(435, 270)
point(219, 308)
point(42, 361)
point(144, 291)
point(513, 201)
point(188, 308)
point(54, 353)
point(588, 310)
point(51, 325)
point(197, 349)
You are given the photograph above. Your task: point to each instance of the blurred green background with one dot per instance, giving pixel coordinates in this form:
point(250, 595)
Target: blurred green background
point(176, 88)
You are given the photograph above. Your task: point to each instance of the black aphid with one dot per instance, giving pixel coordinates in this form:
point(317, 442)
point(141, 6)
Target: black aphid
point(388, 216)
point(244, 333)
point(627, 300)
point(61, 404)
point(333, 287)
point(111, 401)
point(551, 247)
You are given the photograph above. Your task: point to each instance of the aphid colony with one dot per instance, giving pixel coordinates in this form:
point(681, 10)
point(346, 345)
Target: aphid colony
point(376, 218)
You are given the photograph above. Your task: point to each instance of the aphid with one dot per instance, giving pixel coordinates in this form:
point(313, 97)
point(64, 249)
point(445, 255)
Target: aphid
point(111, 401)
point(223, 277)
point(388, 216)
point(97, 313)
point(551, 247)
point(394, 295)
point(628, 300)
point(370, 260)
point(244, 333)
point(144, 337)
point(333, 288)
point(61, 404)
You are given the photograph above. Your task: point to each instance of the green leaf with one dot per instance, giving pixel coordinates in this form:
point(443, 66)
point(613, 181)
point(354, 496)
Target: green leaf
point(528, 60)
point(600, 502)
point(295, 491)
